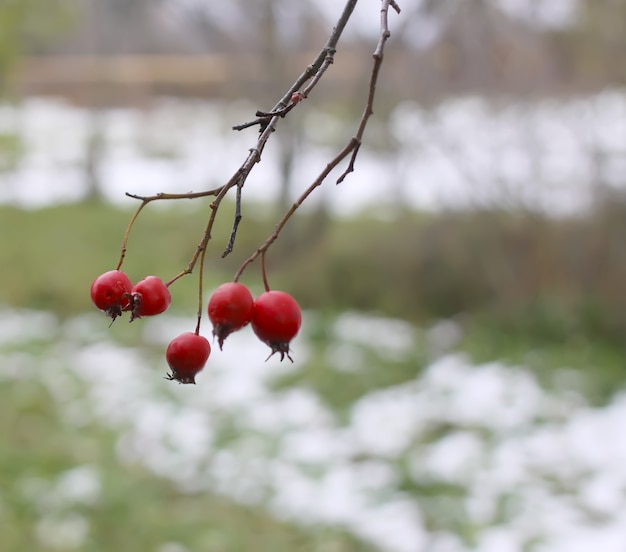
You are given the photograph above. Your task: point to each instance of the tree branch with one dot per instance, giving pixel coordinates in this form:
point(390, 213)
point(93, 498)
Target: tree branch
point(268, 122)
point(378, 61)
point(351, 148)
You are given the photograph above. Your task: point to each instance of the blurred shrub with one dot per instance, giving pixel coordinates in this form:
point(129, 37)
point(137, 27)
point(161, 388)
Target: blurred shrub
point(549, 278)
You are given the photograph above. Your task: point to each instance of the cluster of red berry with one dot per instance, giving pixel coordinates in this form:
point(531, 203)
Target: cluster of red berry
point(275, 317)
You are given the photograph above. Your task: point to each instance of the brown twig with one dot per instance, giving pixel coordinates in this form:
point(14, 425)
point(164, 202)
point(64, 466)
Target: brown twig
point(186, 195)
point(238, 217)
point(313, 72)
point(268, 121)
point(351, 148)
point(378, 61)
point(200, 311)
point(279, 226)
point(268, 124)
point(200, 249)
point(127, 233)
point(156, 197)
point(266, 283)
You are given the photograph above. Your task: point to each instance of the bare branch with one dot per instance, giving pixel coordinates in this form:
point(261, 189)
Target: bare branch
point(268, 122)
point(351, 148)
point(187, 195)
point(378, 60)
point(238, 216)
point(279, 226)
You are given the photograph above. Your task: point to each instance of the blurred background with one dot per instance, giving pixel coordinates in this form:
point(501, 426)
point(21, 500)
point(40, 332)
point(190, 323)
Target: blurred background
point(458, 383)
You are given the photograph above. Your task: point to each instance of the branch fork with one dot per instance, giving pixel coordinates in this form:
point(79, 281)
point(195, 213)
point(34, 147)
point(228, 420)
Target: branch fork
point(267, 122)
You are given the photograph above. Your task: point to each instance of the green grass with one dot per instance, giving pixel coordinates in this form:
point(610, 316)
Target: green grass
point(593, 367)
point(49, 257)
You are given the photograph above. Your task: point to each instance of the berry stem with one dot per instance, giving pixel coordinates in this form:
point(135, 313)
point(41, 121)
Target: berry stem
point(201, 248)
point(127, 233)
point(264, 273)
point(200, 284)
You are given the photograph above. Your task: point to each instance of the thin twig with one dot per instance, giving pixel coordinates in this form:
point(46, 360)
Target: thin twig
point(186, 195)
point(314, 71)
point(351, 148)
point(238, 216)
point(268, 122)
point(156, 197)
point(279, 226)
point(266, 283)
point(207, 232)
point(127, 233)
point(378, 60)
point(200, 286)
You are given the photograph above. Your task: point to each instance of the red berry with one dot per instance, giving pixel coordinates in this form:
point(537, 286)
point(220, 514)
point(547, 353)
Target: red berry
point(276, 321)
point(149, 297)
point(110, 292)
point(186, 355)
point(230, 309)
